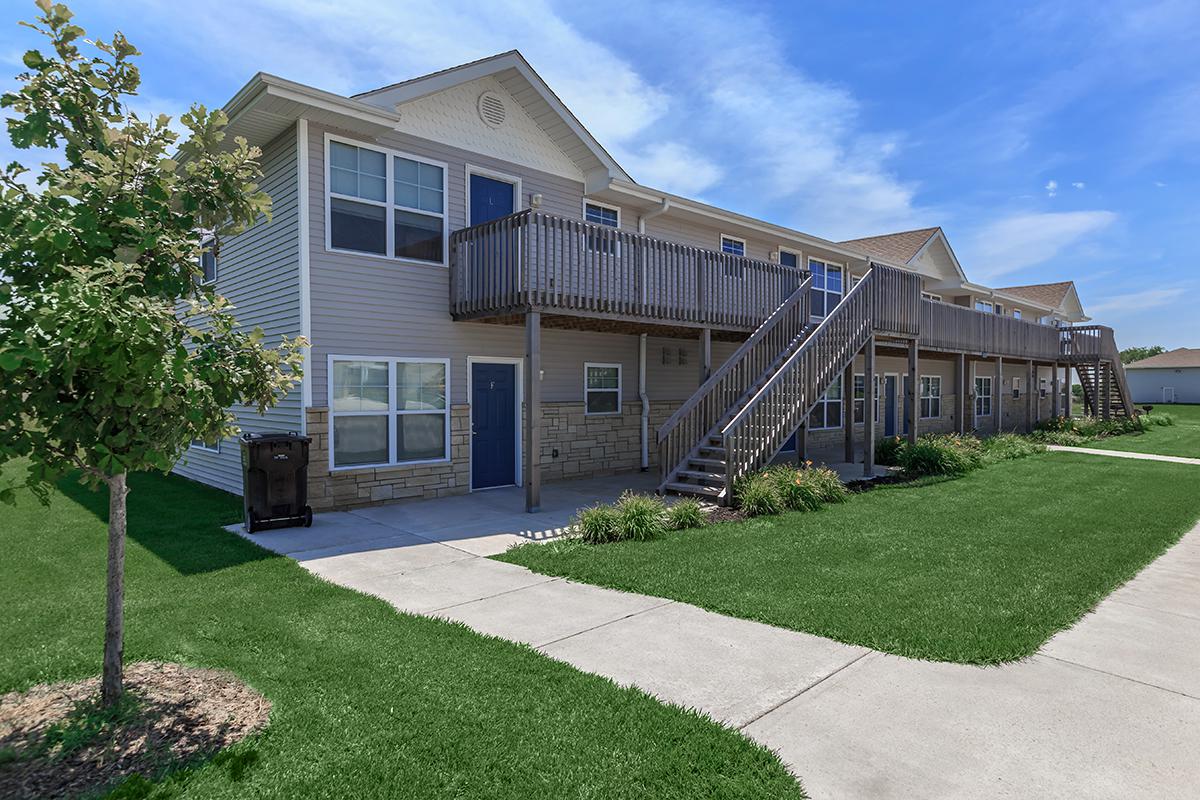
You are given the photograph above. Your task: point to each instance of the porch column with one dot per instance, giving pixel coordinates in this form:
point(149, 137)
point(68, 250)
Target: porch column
point(848, 406)
point(533, 411)
point(1055, 388)
point(998, 391)
point(960, 392)
point(1030, 395)
point(705, 354)
point(1068, 399)
point(1102, 395)
point(914, 390)
point(869, 408)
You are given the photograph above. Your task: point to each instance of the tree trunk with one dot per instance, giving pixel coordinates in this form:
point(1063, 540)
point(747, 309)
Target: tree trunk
point(111, 684)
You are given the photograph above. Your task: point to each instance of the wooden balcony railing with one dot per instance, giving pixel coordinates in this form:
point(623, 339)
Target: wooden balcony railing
point(538, 261)
point(949, 327)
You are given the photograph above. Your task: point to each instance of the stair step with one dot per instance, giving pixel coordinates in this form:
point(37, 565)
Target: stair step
point(708, 462)
point(707, 450)
point(699, 475)
point(695, 488)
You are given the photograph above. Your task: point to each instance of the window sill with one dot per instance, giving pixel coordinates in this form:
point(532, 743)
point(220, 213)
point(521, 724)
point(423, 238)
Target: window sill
point(602, 413)
point(416, 262)
point(385, 465)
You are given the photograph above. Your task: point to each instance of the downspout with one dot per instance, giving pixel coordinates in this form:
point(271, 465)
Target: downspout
point(645, 401)
point(652, 213)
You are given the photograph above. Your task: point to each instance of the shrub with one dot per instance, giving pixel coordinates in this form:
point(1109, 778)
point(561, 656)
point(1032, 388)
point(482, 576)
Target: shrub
point(686, 513)
point(793, 491)
point(1059, 423)
point(826, 484)
point(640, 517)
point(887, 451)
point(1007, 446)
point(1152, 420)
point(596, 525)
point(941, 454)
point(757, 496)
point(1062, 438)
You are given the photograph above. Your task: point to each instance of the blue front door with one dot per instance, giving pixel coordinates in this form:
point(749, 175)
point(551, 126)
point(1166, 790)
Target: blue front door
point(889, 405)
point(490, 199)
point(493, 425)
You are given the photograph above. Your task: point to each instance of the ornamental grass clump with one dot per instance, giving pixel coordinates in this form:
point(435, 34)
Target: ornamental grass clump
point(640, 517)
point(794, 492)
point(1007, 446)
point(887, 451)
point(757, 495)
point(826, 484)
point(941, 454)
point(684, 514)
point(595, 525)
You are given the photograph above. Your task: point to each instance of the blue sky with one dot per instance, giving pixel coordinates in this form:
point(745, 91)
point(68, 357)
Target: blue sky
point(1052, 141)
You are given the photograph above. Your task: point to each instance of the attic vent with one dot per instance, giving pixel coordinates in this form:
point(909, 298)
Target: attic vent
point(492, 110)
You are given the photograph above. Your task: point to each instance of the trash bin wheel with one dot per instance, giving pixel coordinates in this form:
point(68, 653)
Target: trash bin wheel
point(250, 526)
point(308, 516)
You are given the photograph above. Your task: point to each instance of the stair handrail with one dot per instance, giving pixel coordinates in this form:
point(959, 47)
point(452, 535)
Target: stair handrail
point(1104, 350)
point(683, 430)
point(749, 442)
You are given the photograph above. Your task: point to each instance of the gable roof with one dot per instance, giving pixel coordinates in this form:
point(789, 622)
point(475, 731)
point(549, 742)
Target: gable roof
point(902, 247)
point(523, 83)
point(1177, 358)
point(1047, 294)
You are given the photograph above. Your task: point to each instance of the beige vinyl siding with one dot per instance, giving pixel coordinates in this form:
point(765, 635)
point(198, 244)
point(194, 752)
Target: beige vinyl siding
point(259, 273)
point(365, 305)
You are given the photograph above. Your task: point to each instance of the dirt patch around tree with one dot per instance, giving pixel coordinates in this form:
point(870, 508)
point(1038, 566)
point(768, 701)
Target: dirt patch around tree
point(56, 741)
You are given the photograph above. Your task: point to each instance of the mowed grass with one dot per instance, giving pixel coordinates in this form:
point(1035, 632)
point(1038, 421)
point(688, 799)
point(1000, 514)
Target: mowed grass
point(1180, 439)
point(368, 703)
point(982, 569)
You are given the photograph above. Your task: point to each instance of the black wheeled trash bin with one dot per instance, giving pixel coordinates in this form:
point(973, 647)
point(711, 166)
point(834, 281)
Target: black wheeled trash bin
point(275, 480)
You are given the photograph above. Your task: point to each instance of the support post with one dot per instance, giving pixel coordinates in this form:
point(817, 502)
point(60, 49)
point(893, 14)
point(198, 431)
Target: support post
point(914, 390)
point(869, 408)
point(1030, 395)
point(1068, 398)
point(1055, 389)
point(960, 391)
point(705, 354)
point(848, 410)
point(802, 443)
point(998, 391)
point(533, 411)
point(1104, 394)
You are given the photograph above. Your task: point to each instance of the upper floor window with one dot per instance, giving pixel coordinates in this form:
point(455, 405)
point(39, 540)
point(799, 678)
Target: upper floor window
point(988, 307)
point(826, 286)
point(733, 246)
point(385, 203)
point(789, 258)
point(598, 214)
point(1017, 313)
point(929, 296)
point(208, 261)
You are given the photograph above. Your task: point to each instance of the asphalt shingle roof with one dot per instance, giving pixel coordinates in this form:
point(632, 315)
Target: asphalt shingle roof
point(899, 247)
point(1047, 294)
point(1177, 358)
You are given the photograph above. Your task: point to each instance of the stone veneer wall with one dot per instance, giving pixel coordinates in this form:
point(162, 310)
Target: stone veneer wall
point(574, 445)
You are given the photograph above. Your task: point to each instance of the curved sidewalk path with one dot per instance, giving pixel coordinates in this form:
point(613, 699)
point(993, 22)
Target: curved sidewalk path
point(1107, 709)
point(1124, 454)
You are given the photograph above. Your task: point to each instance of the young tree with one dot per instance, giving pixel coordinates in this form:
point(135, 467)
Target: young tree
point(113, 353)
point(1132, 354)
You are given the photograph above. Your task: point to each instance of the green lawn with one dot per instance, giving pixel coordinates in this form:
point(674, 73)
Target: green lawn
point(1180, 439)
point(982, 569)
point(367, 702)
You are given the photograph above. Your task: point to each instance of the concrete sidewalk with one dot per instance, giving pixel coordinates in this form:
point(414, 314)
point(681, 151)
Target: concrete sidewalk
point(1123, 454)
point(1109, 708)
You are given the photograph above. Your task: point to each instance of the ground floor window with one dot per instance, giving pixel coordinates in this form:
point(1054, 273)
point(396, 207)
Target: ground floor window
point(602, 388)
point(860, 403)
point(828, 411)
point(211, 447)
point(931, 396)
point(983, 396)
point(389, 411)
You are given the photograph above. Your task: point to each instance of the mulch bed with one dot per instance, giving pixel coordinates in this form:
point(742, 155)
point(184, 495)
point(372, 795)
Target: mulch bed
point(54, 741)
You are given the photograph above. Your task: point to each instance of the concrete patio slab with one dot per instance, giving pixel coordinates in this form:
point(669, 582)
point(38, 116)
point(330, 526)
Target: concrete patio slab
point(732, 669)
point(379, 558)
point(1155, 647)
point(1173, 589)
point(547, 612)
point(337, 529)
point(889, 727)
point(427, 590)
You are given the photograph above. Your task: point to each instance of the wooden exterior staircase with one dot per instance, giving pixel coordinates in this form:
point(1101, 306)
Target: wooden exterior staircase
point(738, 420)
point(1092, 350)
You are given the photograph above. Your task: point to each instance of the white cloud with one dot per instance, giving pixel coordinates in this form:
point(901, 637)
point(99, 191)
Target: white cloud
point(673, 167)
point(1024, 240)
point(1125, 304)
point(1079, 184)
point(1159, 184)
point(1051, 188)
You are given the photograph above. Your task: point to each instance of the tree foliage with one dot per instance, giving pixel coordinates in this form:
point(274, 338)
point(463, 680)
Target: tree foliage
point(114, 355)
point(1131, 354)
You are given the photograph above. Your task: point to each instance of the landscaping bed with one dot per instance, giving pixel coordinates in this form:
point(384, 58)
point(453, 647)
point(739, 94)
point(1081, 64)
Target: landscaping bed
point(366, 702)
point(980, 569)
point(1181, 438)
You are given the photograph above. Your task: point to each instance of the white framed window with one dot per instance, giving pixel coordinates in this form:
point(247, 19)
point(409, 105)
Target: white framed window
point(931, 396)
point(1016, 313)
point(385, 411)
point(999, 308)
point(1016, 388)
point(827, 413)
point(827, 286)
point(601, 214)
point(859, 399)
point(984, 306)
point(601, 389)
point(931, 296)
point(208, 261)
point(208, 447)
point(733, 245)
point(789, 258)
point(384, 203)
point(983, 395)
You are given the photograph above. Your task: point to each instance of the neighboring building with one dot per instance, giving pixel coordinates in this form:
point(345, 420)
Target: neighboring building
point(1171, 377)
point(492, 300)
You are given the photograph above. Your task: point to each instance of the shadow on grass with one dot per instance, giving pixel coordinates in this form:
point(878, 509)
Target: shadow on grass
point(178, 520)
